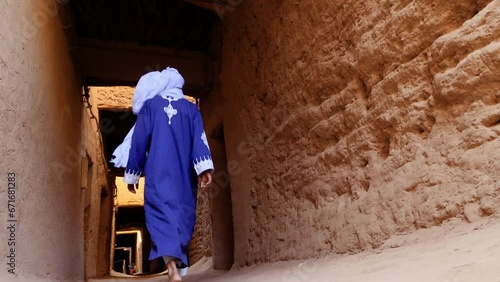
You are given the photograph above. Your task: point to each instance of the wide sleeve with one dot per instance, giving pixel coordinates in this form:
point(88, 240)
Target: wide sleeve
point(202, 159)
point(140, 144)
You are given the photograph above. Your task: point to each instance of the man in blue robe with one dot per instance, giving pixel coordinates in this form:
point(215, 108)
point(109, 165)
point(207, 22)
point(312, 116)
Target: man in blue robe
point(169, 146)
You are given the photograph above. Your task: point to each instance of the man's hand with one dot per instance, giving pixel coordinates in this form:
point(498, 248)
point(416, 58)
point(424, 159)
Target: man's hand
point(131, 187)
point(205, 179)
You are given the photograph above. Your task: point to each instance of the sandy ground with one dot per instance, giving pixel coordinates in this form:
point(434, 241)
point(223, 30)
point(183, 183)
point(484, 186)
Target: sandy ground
point(455, 252)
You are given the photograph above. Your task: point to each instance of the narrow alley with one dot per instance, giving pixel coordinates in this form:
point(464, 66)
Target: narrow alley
point(352, 140)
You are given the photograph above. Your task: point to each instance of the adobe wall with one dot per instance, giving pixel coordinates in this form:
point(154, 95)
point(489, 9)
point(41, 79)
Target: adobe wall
point(41, 136)
point(98, 193)
point(355, 120)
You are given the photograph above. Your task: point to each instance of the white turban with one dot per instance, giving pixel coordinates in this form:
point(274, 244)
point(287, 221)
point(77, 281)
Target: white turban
point(169, 82)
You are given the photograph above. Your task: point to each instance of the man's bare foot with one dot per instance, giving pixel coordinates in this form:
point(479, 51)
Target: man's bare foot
point(173, 273)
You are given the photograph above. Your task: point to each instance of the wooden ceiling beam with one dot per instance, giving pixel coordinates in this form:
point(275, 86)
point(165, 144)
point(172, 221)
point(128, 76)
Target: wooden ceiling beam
point(104, 65)
point(204, 5)
point(207, 4)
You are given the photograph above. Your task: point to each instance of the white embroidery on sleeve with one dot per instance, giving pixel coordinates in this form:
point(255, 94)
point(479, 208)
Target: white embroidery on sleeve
point(202, 164)
point(205, 141)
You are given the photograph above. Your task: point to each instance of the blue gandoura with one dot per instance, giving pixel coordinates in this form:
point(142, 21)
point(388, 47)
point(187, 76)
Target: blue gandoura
point(168, 145)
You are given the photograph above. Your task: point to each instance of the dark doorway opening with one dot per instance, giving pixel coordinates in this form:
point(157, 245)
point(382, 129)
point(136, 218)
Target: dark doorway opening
point(132, 244)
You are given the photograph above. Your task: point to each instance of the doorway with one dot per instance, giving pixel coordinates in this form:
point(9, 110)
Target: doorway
point(131, 243)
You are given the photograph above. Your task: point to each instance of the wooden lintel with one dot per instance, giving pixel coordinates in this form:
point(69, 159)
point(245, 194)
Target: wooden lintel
point(101, 66)
point(202, 4)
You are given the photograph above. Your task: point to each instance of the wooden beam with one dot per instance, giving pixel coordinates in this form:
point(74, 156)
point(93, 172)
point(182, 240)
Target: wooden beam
point(123, 64)
point(208, 4)
point(204, 5)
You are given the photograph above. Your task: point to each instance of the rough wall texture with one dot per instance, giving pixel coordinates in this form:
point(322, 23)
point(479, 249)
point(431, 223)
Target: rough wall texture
point(94, 181)
point(114, 97)
point(201, 243)
point(354, 120)
point(40, 135)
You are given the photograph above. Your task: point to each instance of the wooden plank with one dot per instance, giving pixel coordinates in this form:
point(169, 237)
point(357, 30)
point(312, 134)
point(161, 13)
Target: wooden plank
point(201, 4)
point(123, 65)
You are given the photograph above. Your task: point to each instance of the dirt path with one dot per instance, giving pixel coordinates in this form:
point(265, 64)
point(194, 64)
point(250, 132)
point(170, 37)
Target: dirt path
point(451, 253)
point(455, 252)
